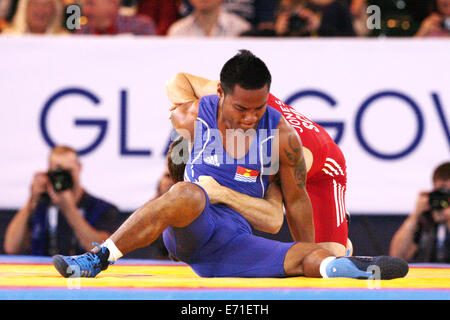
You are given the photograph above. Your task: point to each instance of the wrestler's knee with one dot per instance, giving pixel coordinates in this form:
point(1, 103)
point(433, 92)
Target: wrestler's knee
point(304, 259)
point(188, 202)
point(335, 248)
point(311, 262)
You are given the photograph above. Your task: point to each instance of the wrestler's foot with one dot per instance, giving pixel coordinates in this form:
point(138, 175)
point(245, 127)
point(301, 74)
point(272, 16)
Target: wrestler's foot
point(87, 265)
point(379, 267)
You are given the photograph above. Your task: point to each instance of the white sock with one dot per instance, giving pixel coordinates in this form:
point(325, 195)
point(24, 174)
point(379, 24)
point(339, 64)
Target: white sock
point(323, 266)
point(114, 252)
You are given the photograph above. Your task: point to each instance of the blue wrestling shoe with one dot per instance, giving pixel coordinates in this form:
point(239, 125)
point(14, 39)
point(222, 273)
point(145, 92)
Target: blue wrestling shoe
point(87, 265)
point(380, 267)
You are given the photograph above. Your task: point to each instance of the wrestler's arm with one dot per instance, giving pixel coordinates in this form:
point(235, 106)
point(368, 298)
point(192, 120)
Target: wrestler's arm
point(263, 214)
point(184, 91)
point(292, 174)
point(185, 87)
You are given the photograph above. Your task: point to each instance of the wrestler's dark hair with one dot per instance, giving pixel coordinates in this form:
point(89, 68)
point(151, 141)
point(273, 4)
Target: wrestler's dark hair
point(176, 161)
point(442, 172)
point(245, 70)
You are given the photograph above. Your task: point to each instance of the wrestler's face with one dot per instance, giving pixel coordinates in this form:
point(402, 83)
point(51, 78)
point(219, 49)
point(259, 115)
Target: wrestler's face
point(242, 108)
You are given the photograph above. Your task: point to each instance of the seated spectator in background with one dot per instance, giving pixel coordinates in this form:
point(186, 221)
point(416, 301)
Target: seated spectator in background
point(5, 10)
point(437, 24)
point(425, 234)
point(164, 184)
point(324, 18)
point(163, 13)
point(358, 10)
point(37, 17)
point(259, 13)
point(66, 221)
point(209, 19)
point(103, 18)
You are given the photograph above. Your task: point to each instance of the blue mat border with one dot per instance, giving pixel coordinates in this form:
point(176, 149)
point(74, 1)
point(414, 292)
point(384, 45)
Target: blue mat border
point(216, 294)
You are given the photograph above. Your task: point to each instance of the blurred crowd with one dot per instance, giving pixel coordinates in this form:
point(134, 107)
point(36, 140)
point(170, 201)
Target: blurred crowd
point(228, 18)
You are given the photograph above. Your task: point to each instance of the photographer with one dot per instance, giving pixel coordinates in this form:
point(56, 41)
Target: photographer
point(425, 234)
point(60, 216)
point(323, 18)
point(437, 24)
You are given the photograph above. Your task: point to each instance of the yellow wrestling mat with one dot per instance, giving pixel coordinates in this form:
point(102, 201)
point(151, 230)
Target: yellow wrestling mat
point(21, 277)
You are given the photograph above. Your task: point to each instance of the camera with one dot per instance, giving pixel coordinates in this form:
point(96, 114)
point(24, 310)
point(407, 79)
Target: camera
point(439, 199)
point(60, 179)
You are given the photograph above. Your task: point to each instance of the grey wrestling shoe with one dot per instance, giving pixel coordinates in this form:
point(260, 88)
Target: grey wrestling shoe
point(359, 267)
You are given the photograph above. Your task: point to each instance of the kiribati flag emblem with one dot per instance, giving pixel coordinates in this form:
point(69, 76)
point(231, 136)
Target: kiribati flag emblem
point(245, 175)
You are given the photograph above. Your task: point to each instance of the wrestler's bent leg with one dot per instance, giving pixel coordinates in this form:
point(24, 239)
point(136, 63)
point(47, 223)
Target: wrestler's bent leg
point(178, 207)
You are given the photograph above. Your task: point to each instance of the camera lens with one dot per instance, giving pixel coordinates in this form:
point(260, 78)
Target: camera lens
point(439, 199)
point(60, 179)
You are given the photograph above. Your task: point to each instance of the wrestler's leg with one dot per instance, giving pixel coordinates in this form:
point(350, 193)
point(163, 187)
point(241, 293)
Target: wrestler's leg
point(308, 260)
point(304, 259)
point(335, 248)
point(330, 220)
point(178, 207)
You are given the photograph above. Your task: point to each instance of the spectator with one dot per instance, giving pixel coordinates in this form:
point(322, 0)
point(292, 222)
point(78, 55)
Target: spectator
point(37, 17)
point(164, 184)
point(163, 12)
point(425, 234)
point(209, 19)
point(103, 18)
point(325, 18)
point(68, 221)
point(437, 24)
point(260, 13)
point(5, 9)
point(358, 10)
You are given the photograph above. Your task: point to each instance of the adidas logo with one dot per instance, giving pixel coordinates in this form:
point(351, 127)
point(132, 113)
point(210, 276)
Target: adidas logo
point(212, 160)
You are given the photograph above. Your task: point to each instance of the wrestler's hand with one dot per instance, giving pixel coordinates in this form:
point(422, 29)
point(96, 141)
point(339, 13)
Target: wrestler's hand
point(214, 190)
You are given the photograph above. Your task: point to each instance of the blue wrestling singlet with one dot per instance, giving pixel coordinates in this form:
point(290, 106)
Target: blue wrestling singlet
point(219, 243)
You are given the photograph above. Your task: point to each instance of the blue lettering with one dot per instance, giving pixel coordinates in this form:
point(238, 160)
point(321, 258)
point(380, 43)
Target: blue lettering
point(401, 153)
point(124, 150)
point(338, 126)
point(101, 124)
point(441, 115)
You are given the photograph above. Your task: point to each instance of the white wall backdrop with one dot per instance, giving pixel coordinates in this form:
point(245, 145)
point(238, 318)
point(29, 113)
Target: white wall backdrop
point(389, 101)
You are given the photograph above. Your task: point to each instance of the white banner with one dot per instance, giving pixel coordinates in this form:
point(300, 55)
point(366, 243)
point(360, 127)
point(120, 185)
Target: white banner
point(385, 101)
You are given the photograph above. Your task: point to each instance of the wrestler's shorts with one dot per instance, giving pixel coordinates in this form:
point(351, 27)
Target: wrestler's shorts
point(217, 244)
point(327, 193)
